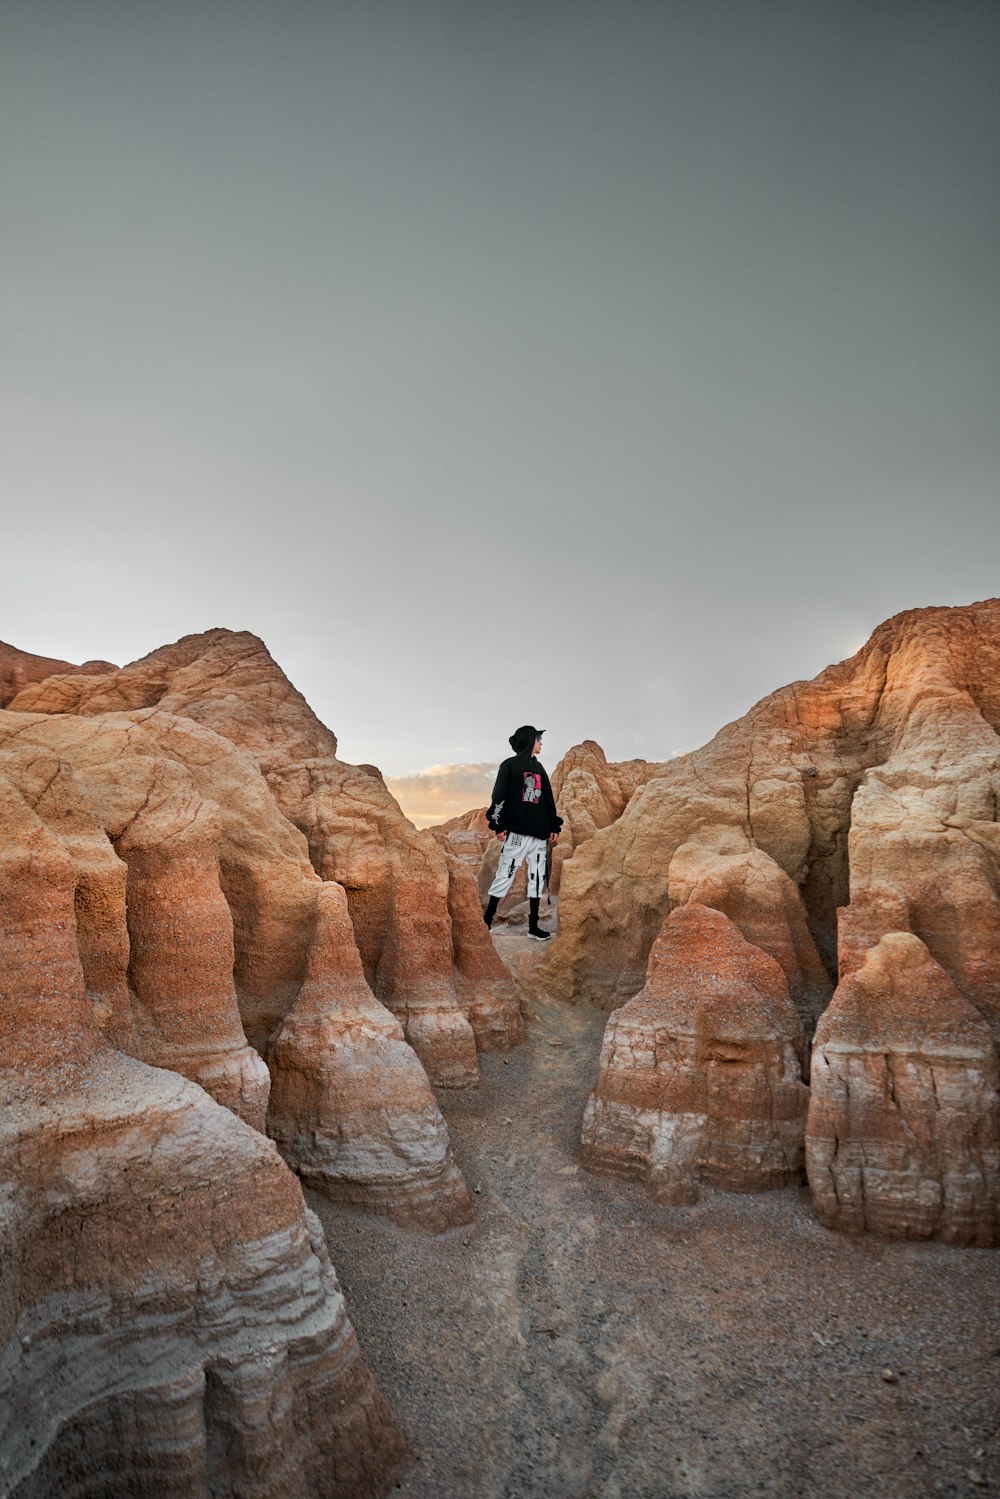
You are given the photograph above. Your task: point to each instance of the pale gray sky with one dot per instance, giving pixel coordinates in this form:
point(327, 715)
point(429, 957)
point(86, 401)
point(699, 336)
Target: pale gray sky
point(597, 365)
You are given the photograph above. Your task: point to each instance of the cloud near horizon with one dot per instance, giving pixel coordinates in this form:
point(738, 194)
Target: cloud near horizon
point(441, 791)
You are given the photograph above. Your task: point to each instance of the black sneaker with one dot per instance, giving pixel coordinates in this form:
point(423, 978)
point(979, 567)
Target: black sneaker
point(539, 935)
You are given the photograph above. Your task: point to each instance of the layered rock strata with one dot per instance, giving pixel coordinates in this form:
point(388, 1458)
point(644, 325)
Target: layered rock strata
point(156, 933)
point(467, 837)
point(758, 896)
point(482, 980)
point(197, 913)
point(169, 1319)
point(903, 1136)
point(351, 1107)
point(700, 1075)
point(396, 878)
point(874, 786)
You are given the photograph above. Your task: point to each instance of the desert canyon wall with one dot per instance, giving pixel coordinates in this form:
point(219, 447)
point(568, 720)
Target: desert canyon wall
point(848, 829)
point(872, 788)
point(163, 1283)
point(195, 891)
point(227, 960)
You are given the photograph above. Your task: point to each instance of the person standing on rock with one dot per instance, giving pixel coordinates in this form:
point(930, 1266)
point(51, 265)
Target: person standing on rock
point(523, 815)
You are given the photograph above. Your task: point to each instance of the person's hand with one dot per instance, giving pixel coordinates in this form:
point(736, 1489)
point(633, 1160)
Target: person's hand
point(501, 837)
point(553, 837)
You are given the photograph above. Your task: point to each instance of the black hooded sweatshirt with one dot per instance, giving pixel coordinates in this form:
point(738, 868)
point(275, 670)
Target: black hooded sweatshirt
point(522, 800)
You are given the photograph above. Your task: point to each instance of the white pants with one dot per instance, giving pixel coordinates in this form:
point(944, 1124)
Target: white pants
point(518, 847)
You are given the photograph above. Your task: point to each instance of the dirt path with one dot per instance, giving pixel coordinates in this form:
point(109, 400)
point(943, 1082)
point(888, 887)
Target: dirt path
point(578, 1340)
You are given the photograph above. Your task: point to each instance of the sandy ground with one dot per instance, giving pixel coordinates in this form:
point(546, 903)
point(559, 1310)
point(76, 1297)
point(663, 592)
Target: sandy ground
point(579, 1340)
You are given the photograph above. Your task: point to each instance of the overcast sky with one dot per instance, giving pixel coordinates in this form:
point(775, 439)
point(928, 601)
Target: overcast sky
point(598, 365)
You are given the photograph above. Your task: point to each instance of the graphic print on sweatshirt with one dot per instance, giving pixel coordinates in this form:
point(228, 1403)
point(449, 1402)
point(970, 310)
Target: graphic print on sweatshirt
point(532, 786)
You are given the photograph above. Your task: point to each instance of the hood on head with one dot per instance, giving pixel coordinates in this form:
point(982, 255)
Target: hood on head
point(522, 741)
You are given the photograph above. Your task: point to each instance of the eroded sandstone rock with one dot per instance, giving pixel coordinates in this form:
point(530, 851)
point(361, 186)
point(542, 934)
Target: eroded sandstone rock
point(18, 669)
point(169, 1319)
point(758, 896)
point(591, 792)
point(213, 944)
point(892, 756)
point(903, 1136)
point(482, 980)
point(473, 821)
point(159, 942)
point(396, 878)
point(351, 1108)
point(700, 1076)
point(924, 847)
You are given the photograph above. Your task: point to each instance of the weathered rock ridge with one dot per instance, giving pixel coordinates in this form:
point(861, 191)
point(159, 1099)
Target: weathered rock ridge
point(396, 878)
point(198, 915)
point(169, 1318)
point(873, 787)
point(18, 669)
point(592, 792)
point(854, 816)
point(171, 915)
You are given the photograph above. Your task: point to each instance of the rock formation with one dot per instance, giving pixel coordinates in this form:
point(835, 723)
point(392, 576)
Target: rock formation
point(351, 1107)
point(169, 1318)
point(18, 669)
point(853, 817)
point(197, 913)
point(903, 1136)
point(592, 792)
point(758, 896)
point(211, 927)
point(467, 836)
point(481, 979)
point(875, 786)
point(396, 878)
point(700, 1074)
point(156, 936)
